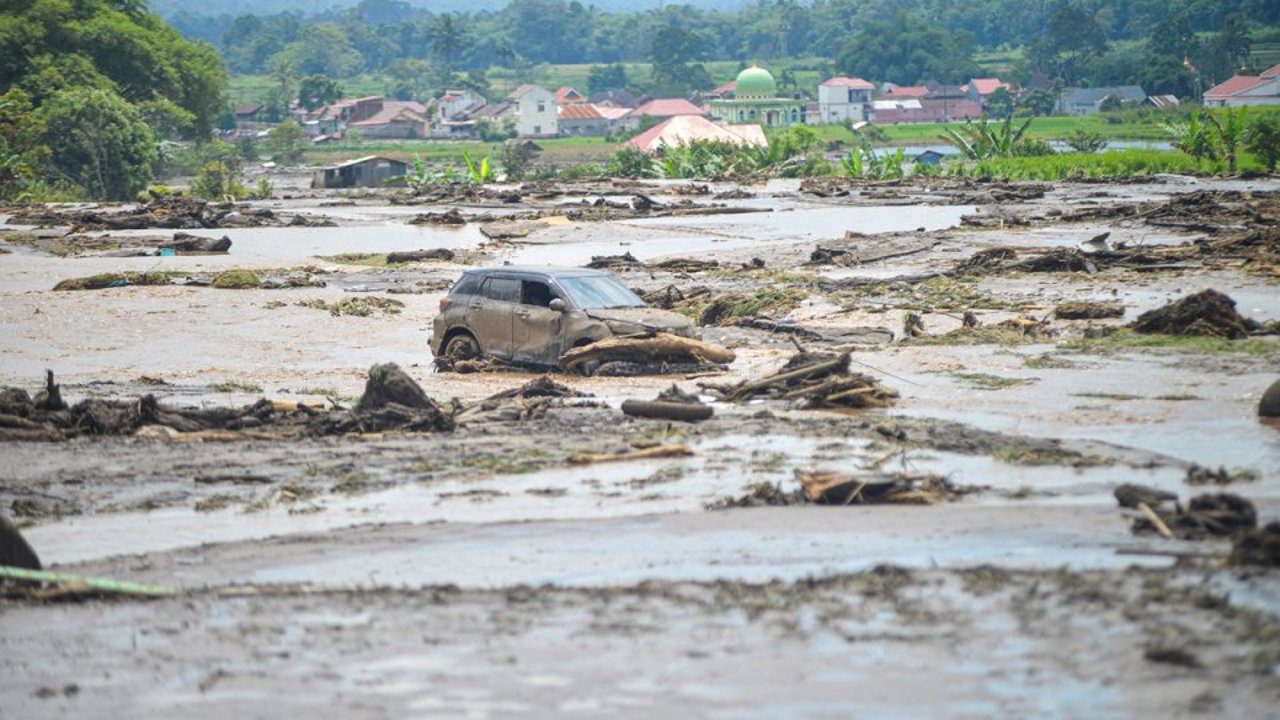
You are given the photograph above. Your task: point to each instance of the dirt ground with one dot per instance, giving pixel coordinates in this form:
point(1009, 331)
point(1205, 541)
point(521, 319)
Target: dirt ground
point(483, 572)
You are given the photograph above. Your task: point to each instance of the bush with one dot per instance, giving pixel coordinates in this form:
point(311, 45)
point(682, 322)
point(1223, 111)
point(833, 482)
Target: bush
point(1263, 140)
point(217, 181)
point(1086, 142)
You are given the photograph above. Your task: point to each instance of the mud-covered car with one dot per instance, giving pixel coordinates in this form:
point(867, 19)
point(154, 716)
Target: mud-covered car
point(533, 315)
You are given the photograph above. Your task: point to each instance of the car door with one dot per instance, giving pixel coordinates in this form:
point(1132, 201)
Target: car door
point(536, 336)
point(491, 312)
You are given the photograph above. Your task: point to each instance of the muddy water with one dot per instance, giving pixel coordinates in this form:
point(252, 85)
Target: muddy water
point(697, 236)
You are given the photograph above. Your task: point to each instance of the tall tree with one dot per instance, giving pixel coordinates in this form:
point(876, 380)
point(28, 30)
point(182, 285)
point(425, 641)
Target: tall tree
point(99, 142)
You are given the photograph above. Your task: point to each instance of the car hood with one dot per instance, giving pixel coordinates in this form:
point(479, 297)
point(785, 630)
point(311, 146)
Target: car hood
point(645, 316)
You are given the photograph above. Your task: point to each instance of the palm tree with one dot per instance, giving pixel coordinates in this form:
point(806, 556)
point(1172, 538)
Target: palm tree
point(448, 38)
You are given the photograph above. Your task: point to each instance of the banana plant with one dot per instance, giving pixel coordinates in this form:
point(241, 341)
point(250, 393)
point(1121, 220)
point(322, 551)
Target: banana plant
point(480, 172)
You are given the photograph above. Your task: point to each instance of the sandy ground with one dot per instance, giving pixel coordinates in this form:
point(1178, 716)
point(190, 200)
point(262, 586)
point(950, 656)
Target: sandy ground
point(476, 574)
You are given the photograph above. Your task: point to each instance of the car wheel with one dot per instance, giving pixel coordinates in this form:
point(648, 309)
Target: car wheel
point(461, 347)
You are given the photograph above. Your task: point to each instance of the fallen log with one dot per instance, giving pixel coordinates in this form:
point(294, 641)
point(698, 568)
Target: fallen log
point(663, 410)
point(647, 348)
point(660, 451)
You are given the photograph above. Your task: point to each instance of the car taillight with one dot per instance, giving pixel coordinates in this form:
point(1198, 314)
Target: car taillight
point(444, 303)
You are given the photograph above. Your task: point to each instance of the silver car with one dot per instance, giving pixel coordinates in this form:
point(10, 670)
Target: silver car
point(533, 315)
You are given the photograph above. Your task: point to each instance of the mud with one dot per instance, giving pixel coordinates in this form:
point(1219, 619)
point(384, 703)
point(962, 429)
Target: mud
point(480, 571)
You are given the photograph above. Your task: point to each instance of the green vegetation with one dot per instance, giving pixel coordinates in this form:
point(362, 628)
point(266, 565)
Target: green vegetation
point(525, 461)
point(90, 87)
point(1113, 163)
point(236, 280)
point(986, 381)
point(1127, 340)
point(108, 280)
point(723, 310)
point(355, 306)
point(239, 386)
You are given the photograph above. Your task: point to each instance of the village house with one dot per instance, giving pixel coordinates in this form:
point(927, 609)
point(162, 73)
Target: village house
point(536, 111)
point(844, 98)
point(756, 100)
point(584, 120)
point(1087, 101)
point(372, 171)
point(664, 108)
point(570, 96)
point(1242, 90)
point(618, 99)
point(394, 120)
point(456, 103)
point(980, 89)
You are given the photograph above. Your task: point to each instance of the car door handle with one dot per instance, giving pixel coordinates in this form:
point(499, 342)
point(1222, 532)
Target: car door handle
point(522, 313)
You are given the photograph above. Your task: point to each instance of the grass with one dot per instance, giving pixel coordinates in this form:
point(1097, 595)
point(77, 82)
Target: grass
point(724, 309)
point(106, 280)
point(377, 260)
point(1048, 362)
point(517, 463)
point(1112, 163)
point(365, 306)
point(235, 386)
point(986, 381)
point(1125, 339)
point(975, 336)
point(1057, 456)
point(236, 280)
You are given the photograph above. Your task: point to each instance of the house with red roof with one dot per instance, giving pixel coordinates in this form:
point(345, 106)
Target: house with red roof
point(1242, 90)
point(394, 119)
point(568, 96)
point(687, 129)
point(904, 92)
point(981, 88)
point(844, 98)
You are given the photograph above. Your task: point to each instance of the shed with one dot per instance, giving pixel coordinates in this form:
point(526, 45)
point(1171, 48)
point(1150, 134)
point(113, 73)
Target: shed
point(371, 171)
point(929, 157)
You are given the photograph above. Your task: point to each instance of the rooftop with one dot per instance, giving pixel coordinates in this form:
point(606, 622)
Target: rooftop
point(669, 107)
point(856, 83)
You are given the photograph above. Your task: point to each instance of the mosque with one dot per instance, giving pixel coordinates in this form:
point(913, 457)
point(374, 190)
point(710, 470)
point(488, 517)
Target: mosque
point(756, 101)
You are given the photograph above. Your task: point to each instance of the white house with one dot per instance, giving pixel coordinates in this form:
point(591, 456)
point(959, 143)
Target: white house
point(536, 111)
point(1087, 101)
point(844, 98)
point(455, 103)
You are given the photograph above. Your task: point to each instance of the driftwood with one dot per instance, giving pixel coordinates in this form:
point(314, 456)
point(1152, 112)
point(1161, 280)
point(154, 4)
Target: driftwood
point(659, 451)
point(826, 488)
point(14, 550)
point(648, 348)
point(396, 258)
point(665, 410)
point(814, 380)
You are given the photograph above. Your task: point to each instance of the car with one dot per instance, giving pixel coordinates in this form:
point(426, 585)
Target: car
point(531, 316)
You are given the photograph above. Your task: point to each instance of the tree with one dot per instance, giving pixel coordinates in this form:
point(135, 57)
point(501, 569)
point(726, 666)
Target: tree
point(673, 53)
point(909, 50)
point(1229, 126)
point(316, 91)
point(287, 142)
point(606, 77)
point(20, 151)
point(1263, 140)
point(99, 142)
point(1000, 103)
point(1038, 103)
point(448, 38)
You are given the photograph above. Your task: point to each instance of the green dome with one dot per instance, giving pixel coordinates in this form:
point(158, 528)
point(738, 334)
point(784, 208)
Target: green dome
point(755, 82)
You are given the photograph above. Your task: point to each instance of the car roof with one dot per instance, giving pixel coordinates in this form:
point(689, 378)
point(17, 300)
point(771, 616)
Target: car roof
point(551, 272)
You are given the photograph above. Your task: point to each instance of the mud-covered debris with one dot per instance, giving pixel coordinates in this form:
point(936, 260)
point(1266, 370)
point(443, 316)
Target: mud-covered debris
point(392, 401)
point(672, 295)
point(651, 350)
point(176, 212)
point(913, 324)
point(449, 217)
point(608, 262)
point(184, 243)
point(1210, 515)
point(1258, 547)
point(311, 221)
point(1208, 312)
point(684, 265)
point(395, 258)
point(1269, 405)
point(813, 380)
point(646, 453)
point(1198, 475)
point(1130, 495)
point(1172, 656)
point(529, 401)
point(829, 488)
point(14, 550)
point(502, 230)
point(1084, 310)
point(985, 261)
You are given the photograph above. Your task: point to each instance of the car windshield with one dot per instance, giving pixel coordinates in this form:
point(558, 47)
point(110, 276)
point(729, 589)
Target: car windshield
point(599, 292)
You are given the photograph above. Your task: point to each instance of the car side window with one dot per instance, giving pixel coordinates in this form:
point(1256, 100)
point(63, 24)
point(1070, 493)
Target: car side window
point(468, 285)
point(536, 292)
point(501, 289)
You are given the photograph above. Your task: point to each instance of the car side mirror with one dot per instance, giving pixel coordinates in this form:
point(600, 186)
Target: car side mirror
point(558, 304)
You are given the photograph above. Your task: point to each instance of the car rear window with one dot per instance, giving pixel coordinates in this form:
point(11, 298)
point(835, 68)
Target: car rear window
point(503, 289)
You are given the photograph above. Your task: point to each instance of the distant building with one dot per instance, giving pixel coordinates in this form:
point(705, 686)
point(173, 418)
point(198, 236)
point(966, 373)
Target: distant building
point(394, 119)
point(618, 99)
point(895, 92)
point(980, 89)
point(536, 111)
point(1243, 90)
point(1164, 102)
point(687, 129)
point(755, 100)
point(929, 157)
point(372, 171)
point(456, 103)
point(569, 96)
point(583, 120)
point(664, 108)
point(1087, 101)
point(845, 98)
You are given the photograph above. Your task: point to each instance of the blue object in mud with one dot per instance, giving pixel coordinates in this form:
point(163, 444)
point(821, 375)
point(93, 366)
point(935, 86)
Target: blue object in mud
point(167, 252)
